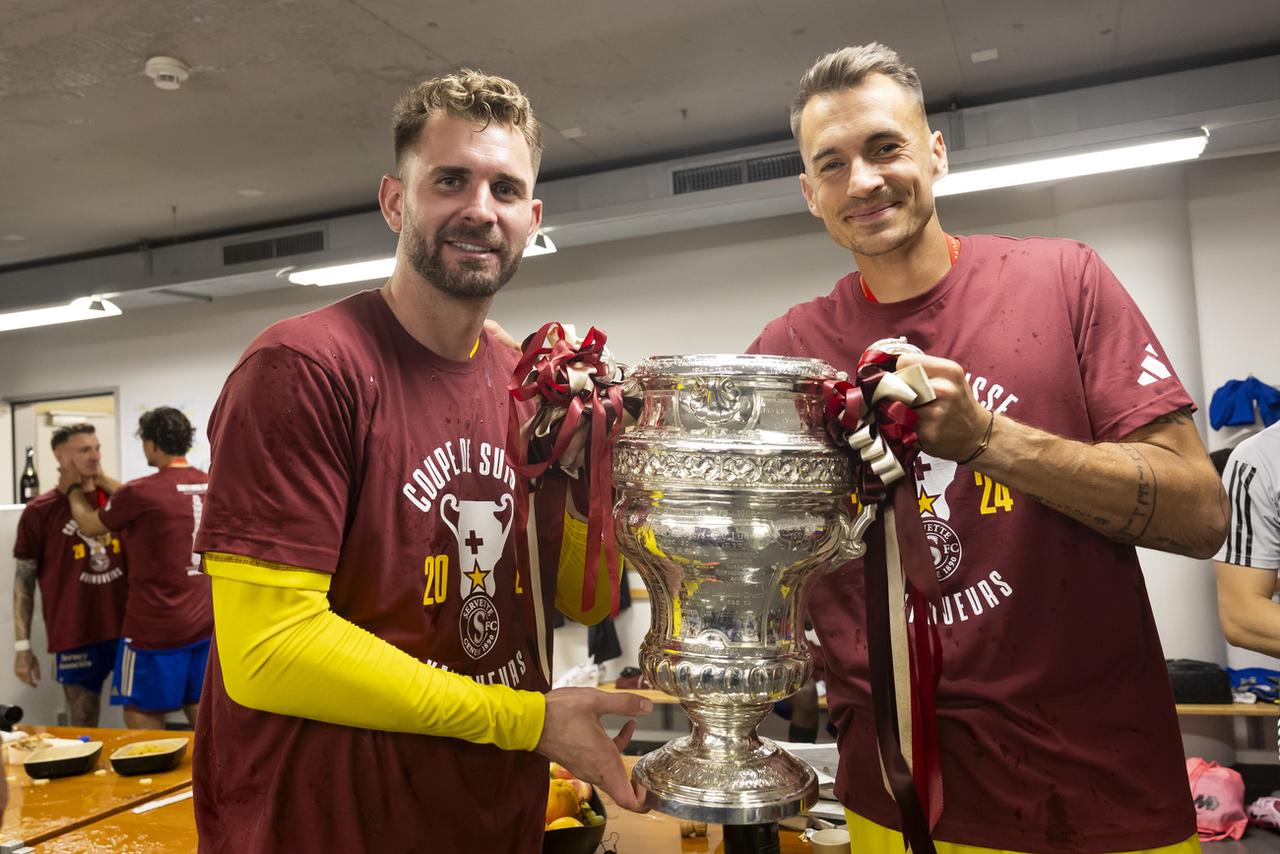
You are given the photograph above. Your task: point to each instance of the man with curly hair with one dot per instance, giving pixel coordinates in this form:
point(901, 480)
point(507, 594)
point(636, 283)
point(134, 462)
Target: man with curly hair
point(381, 674)
point(168, 617)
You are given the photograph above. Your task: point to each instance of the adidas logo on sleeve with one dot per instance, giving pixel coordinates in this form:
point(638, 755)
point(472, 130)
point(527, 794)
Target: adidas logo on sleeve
point(1153, 370)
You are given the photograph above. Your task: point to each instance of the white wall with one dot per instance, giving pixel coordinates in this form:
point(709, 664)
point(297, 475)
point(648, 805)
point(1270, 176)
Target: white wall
point(1193, 244)
point(1234, 211)
point(1234, 208)
point(43, 703)
point(40, 704)
point(175, 355)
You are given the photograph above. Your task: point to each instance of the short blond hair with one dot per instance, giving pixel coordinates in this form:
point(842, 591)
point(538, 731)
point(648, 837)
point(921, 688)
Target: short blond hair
point(847, 68)
point(468, 94)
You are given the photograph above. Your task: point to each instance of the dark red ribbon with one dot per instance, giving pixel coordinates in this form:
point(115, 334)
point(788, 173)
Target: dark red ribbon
point(918, 791)
point(543, 373)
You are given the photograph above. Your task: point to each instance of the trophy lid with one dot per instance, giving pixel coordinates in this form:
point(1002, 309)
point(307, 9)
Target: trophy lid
point(731, 364)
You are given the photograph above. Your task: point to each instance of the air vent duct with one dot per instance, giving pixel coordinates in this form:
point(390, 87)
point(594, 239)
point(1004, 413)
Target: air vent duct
point(273, 247)
point(787, 165)
point(732, 173)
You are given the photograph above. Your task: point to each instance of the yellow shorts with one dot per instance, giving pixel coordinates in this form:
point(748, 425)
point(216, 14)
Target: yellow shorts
point(870, 838)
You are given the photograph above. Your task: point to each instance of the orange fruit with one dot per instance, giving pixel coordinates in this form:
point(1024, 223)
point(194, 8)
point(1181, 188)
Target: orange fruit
point(562, 800)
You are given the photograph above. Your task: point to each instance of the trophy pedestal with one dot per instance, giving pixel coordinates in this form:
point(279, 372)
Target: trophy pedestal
point(723, 772)
point(752, 839)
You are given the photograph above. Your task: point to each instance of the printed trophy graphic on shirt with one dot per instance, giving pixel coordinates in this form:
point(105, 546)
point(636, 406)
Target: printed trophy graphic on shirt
point(481, 535)
point(933, 476)
point(100, 570)
point(98, 560)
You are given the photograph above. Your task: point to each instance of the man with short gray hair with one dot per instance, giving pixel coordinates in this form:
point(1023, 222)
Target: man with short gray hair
point(1059, 440)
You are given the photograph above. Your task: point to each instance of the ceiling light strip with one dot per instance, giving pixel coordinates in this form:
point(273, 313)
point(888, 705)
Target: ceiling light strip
point(85, 308)
point(1186, 146)
point(382, 268)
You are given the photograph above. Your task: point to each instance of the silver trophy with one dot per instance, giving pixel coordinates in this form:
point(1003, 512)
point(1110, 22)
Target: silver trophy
point(730, 501)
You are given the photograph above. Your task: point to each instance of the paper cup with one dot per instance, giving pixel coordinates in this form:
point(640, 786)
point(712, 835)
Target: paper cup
point(832, 841)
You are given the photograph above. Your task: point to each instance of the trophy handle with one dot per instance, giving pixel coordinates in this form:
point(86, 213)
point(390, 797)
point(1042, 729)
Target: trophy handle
point(852, 546)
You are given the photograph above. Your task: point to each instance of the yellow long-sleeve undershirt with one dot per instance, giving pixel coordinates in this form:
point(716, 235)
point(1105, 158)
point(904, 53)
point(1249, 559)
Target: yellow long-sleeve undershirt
point(283, 650)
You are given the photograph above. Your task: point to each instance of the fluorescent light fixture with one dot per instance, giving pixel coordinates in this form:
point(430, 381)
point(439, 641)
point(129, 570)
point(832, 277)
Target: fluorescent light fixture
point(1173, 148)
point(85, 308)
point(382, 268)
point(342, 274)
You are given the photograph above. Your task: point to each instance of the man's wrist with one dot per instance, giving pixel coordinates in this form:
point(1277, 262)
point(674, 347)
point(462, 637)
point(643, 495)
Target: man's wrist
point(982, 445)
point(72, 488)
point(22, 645)
point(528, 717)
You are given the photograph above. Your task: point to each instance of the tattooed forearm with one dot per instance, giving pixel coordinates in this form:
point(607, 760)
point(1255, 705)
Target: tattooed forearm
point(1140, 517)
point(1082, 514)
point(24, 593)
point(1113, 487)
point(1144, 505)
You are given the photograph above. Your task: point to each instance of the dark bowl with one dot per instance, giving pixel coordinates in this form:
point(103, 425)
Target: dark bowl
point(577, 840)
point(66, 760)
point(160, 754)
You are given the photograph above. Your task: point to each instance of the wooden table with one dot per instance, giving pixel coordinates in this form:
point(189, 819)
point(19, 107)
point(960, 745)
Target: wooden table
point(1247, 710)
point(658, 698)
point(170, 828)
point(40, 812)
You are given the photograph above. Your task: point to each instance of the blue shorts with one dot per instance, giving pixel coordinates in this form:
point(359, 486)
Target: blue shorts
point(86, 666)
point(159, 680)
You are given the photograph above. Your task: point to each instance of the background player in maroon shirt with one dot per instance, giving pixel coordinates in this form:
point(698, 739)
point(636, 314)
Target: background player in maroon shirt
point(82, 586)
point(380, 666)
point(1057, 422)
point(169, 616)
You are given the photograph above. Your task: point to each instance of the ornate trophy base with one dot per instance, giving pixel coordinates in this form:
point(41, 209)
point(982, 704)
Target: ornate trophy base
point(724, 773)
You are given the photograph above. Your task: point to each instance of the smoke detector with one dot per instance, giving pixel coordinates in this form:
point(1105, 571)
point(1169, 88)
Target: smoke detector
point(167, 72)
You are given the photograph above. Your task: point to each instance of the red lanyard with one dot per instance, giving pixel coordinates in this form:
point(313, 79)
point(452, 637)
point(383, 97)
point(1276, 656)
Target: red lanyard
point(953, 248)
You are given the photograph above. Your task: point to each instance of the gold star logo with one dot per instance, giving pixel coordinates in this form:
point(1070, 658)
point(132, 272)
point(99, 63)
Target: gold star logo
point(477, 576)
point(926, 503)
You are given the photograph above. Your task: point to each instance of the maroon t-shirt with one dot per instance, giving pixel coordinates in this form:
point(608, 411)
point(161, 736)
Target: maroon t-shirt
point(82, 579)
point(1055, 713)
point(156, 516)
point(340, 444)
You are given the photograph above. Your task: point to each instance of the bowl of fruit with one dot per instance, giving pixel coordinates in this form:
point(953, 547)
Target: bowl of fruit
point(575, 815)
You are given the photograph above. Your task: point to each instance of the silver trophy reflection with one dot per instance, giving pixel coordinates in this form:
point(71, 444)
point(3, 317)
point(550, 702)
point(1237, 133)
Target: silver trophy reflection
point(730, 500)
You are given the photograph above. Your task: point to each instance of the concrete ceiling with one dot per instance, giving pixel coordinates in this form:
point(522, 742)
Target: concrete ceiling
point(286, 112)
